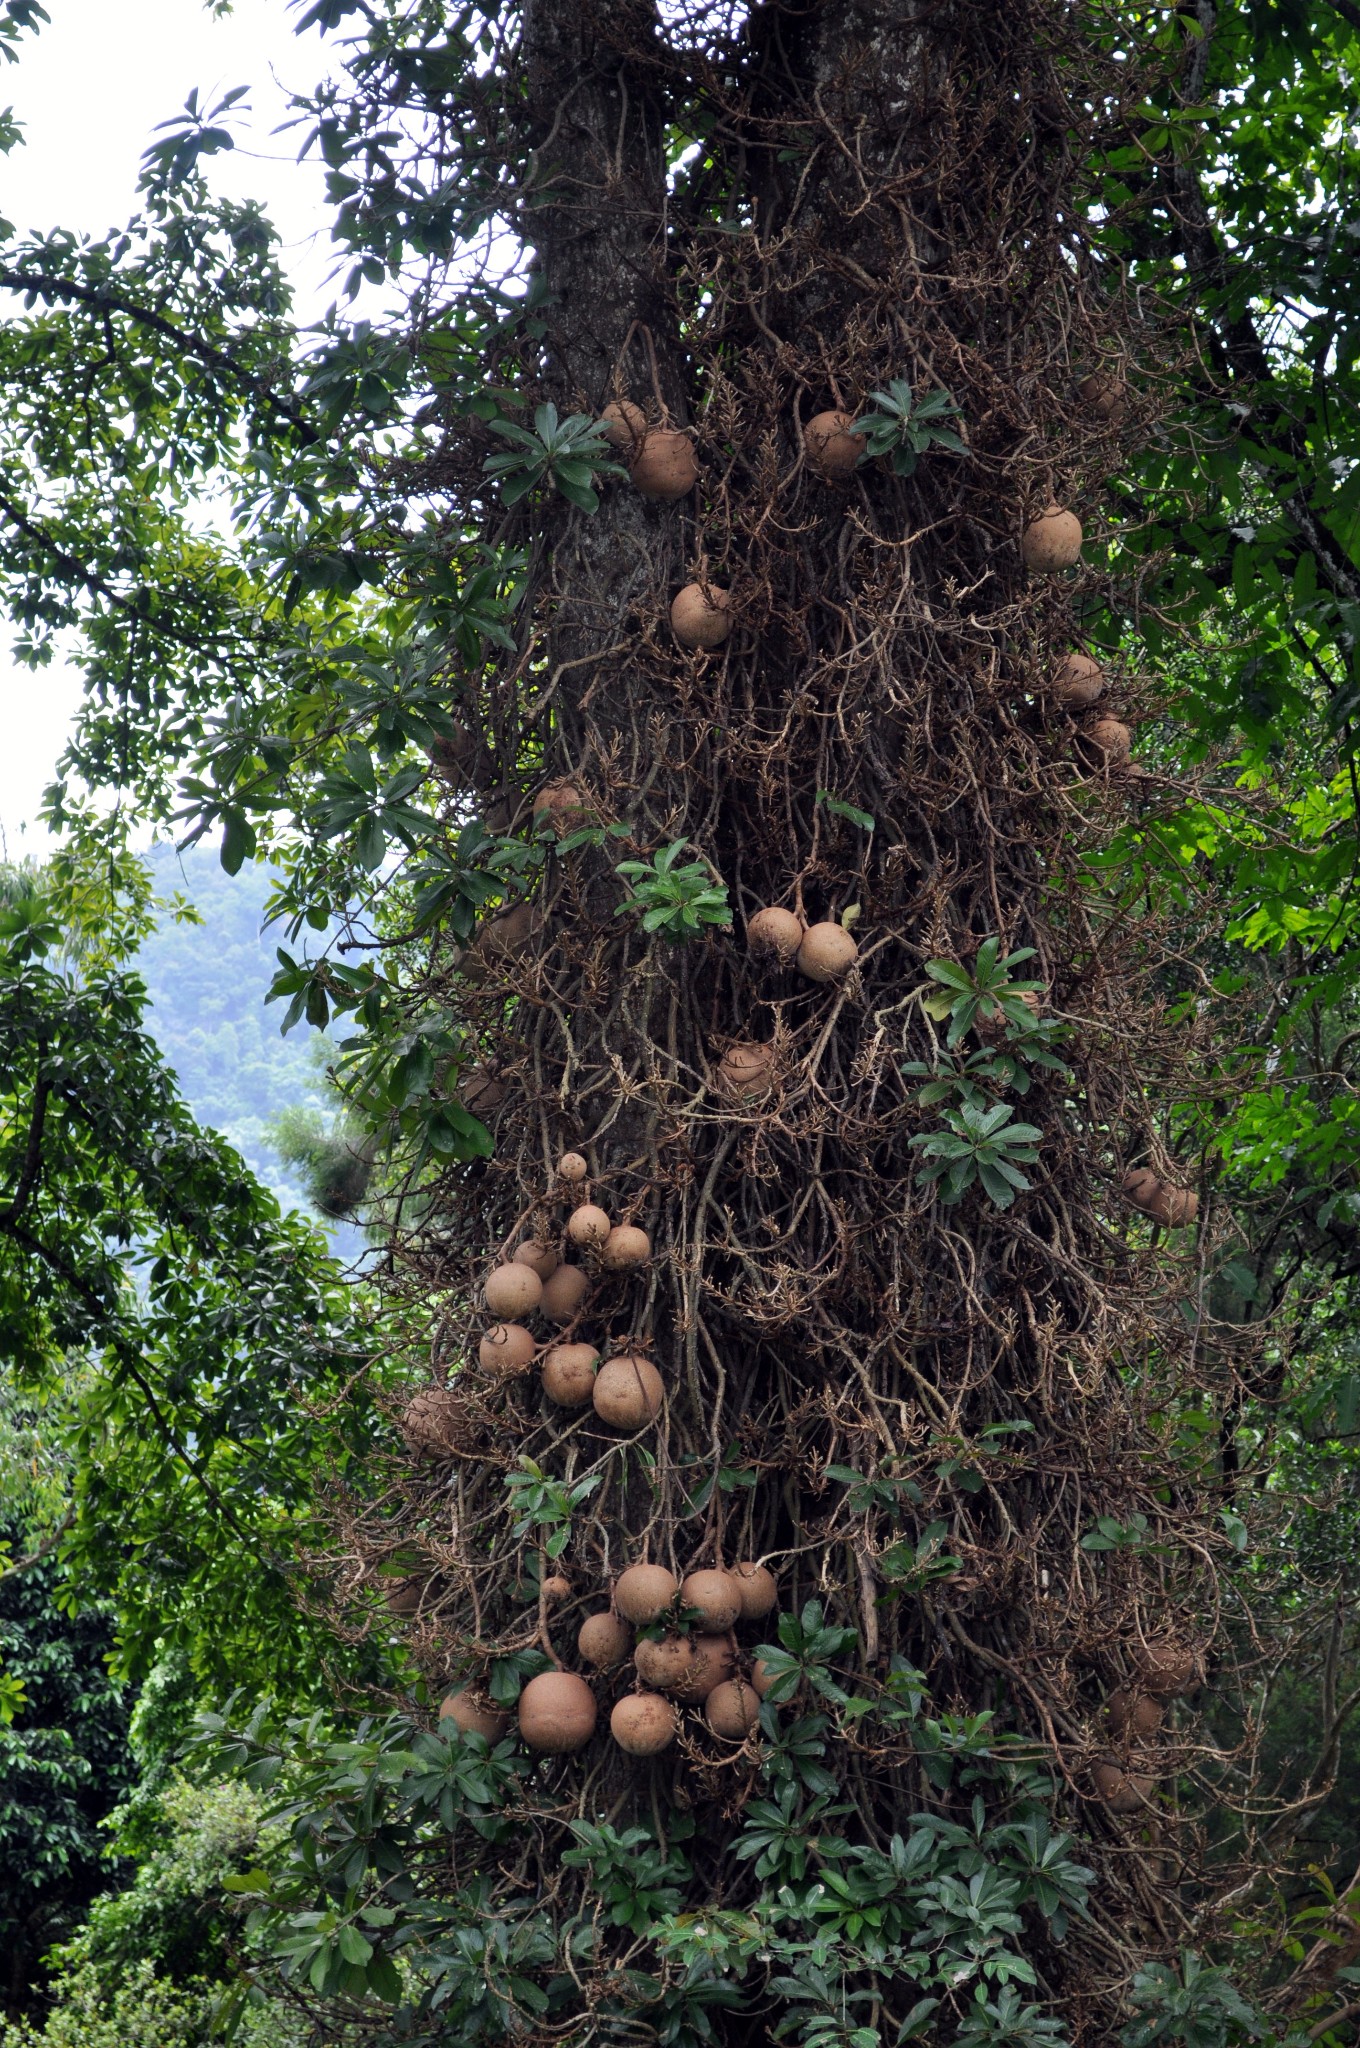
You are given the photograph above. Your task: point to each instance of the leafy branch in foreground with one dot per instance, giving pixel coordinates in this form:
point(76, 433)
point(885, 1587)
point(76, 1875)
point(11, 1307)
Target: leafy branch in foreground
point(905, 427)
point(978, 1145)
point(568, 454)
point(677, 901)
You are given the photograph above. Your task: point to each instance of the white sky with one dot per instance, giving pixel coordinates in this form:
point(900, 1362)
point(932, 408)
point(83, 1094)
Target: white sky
point(89, 89)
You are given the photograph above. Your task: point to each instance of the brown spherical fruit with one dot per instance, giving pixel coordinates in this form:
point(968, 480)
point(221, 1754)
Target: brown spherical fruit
point(832, 450)
point(557, 1713)
point(746, 1070)
point(556, 1589)
point(1174, 1208)
point(624, 424)
point(509, 936)
point(1105, 396)
point(1112, 739)
point(429, 1421)
point(644, 1592)
point(569, 1374)
point(1078, 680)
point(701, 615)
point(539, 1256)
point(715, 1661)
point(404, 1596)
point(1141, 1186)
point(665, 465)
point(572, 1167)
point(775, 932)
point(643, 1723)
point(603, 1641)
point(512, 1290)
point(563, 1293)
point(560, 808)
point(715, 1596)
point(588, 1226)
point(732, 1710)
point(628, 1392)
point(827, 953)
point(1137, 1715)
point(761, 1678)
point(481, 1092)
point(758, 1588)
point(473, 1714)
point(507, 1348)
point(1122, 1791)
point(666, 1662)
point(625, 1246)
point(1163, 1667)
point(1052, 541)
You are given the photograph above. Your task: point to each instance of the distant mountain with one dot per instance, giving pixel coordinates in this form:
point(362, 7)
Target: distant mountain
point(207, 984)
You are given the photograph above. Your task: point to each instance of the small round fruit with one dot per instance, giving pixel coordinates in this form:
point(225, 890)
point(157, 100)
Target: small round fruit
point(761, 1677)
point(667, 1662)
point(429, 1422)
point(1112, 739)
point(1078, 680)
point(732, 1710)
point(556, 1589)
point(758, 1588)
point(569, 1374)
point(588, 1226)
point(1163, 1667)
point(701, 615)
point(832, 450)
point(563, 1293)
point(1136, 1714)
point(473, 1714)
point(480, 1092)
point(603, 1641)
point(624, 424)
point(644, 1592)
point(715, 1661)
point(572, 1167)
point(628, 1392)
point(1052, 541)
point(666, 465)
point(746, 1070)
point(643, 1723)
point(715, 1596)
point(509, 936)
point(1105, 396)
point(403, 1596)
point(777, 933)
point(560, 808)
point(557, 1713)
point(1141, 1186)
point(625, 1246)
point(539, 1256)
point(513, 1290)
point(1122, 1791)
point(827, 953)
point(507, 1348)
point(1174, 1208)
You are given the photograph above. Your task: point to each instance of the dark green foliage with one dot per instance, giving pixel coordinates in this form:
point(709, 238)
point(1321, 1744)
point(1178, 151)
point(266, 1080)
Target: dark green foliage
point(64, 1764)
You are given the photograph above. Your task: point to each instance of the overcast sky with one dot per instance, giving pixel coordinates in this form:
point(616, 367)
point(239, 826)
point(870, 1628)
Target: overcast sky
point(89, 90)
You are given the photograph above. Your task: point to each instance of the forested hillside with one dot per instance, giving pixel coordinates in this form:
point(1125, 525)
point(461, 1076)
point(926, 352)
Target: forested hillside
point(208, 978)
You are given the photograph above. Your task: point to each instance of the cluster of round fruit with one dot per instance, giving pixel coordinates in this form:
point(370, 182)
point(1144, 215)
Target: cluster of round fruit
point(557, 1711)
point(1170, 1206)
point(1133, 1714)
point(535, 1279)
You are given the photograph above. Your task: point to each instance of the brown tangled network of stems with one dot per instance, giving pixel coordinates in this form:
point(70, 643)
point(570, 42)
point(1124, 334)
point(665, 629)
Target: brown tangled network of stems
point(875, 192)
